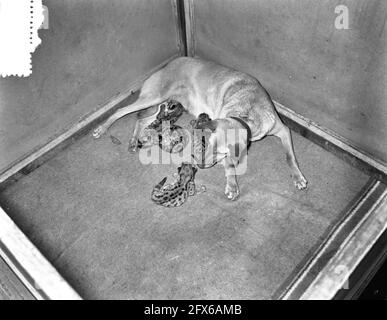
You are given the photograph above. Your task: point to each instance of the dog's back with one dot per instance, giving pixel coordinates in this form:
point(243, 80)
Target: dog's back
point(205, 86)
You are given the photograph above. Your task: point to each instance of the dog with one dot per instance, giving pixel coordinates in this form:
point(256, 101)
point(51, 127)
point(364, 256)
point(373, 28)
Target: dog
point(233, 99)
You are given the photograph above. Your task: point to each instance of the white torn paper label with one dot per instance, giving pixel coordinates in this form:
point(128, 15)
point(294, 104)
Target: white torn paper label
point(19, 24)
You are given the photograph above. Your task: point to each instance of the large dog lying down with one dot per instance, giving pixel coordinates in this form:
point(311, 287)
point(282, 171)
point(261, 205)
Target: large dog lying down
point(233, 99)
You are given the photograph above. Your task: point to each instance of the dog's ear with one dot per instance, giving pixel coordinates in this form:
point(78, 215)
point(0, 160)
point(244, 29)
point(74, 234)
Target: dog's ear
point(212, 125)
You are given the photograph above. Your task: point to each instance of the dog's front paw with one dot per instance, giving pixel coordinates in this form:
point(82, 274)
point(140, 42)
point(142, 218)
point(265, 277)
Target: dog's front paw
point(232, 191)
point(98, 132)
point(300, 182)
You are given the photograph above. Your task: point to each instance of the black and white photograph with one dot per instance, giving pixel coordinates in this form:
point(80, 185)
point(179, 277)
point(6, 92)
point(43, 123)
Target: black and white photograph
point(193, 155)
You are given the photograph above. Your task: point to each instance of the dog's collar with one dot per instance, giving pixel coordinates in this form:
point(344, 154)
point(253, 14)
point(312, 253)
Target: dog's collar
point(246, 126)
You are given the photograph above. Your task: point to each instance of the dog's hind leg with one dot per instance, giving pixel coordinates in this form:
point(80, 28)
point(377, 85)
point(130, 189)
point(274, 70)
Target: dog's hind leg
point(142, 102)
point(144, 119)
point(283, 132)
point(152, 93)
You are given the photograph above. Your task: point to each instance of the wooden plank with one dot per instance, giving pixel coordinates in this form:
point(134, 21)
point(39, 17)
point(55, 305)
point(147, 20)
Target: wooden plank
point(365, 272)
point(347, 243)
point(180, 33)
point(29, 265)
point(190, 27)
point(321, 253)
point(38, 156)
point(335, 274)
point(11, 288)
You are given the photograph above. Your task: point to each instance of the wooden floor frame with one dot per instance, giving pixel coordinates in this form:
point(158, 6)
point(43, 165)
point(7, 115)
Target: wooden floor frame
point(322, 276)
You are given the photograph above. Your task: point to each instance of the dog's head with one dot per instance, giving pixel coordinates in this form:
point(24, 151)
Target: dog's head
point(221, 138)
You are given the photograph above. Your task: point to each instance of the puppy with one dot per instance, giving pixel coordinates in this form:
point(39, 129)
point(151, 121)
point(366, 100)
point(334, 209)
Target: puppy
point(233, 99)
